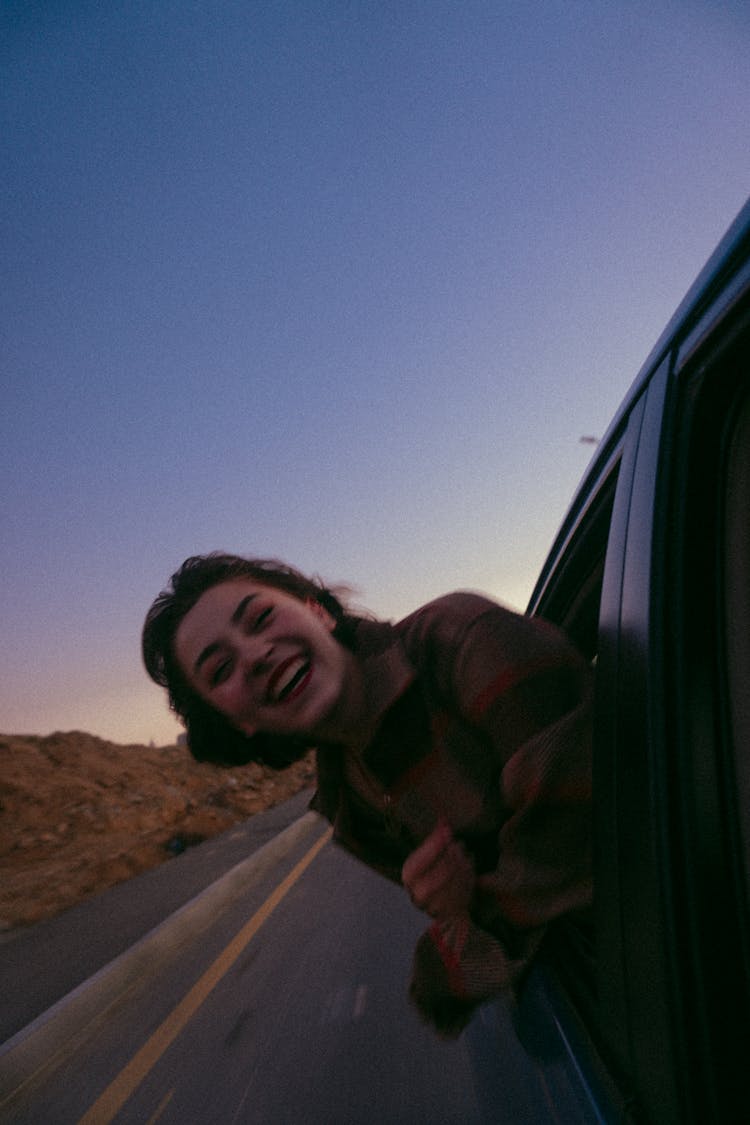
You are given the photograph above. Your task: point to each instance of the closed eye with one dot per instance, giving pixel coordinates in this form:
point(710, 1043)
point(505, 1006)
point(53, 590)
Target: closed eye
point(262, 617)
point(219, 673)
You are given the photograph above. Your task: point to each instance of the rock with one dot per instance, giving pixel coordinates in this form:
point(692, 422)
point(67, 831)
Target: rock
point(78, 814)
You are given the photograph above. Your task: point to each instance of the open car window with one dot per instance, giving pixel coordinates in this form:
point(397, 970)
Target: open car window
point(571, 598)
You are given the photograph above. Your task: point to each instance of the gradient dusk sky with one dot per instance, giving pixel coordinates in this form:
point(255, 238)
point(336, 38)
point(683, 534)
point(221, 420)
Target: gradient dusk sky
point(343, 283)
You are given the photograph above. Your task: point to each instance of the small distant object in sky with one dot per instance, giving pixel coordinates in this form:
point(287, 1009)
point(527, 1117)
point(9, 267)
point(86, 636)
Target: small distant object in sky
point(588, 439)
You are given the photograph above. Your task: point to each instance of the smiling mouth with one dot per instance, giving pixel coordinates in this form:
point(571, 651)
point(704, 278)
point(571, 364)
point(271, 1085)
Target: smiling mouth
point(288, 680)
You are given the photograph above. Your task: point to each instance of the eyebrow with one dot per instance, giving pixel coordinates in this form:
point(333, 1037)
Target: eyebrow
point(235, 619)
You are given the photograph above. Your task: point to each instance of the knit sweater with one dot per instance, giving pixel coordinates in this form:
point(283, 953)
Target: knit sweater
point(481, 717)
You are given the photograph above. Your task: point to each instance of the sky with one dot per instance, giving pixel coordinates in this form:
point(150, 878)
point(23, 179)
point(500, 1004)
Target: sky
point(342, 283)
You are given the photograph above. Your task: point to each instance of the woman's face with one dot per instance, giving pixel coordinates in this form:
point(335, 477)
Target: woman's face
point(268, 661)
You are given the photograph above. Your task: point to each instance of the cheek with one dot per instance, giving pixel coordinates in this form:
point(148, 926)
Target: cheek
point(228, 699)
point(343, 674)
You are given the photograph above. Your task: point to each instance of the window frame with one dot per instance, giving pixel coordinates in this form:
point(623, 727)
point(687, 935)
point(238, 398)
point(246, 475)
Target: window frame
point(586, 563)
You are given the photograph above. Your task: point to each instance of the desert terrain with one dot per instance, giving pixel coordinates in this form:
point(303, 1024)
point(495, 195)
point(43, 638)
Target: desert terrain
point(79, 814)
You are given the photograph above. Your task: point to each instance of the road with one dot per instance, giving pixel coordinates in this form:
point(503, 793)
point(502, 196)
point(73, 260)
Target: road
point(40, 965)
point(281, 998)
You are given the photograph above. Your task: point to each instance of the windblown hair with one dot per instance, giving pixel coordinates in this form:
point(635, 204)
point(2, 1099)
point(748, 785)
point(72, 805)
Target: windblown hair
point(210, 736)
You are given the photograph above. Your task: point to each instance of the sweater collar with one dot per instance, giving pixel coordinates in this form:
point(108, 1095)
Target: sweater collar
point(386, 671)
point(387, 674)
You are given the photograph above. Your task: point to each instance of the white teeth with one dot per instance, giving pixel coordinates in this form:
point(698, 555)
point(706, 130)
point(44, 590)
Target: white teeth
point(290, 674)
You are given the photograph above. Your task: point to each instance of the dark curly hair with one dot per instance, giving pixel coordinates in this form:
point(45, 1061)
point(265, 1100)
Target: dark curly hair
point(211, 738)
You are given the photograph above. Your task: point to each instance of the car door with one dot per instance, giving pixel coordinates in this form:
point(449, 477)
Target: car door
point(672, 819)
point(644, 1008)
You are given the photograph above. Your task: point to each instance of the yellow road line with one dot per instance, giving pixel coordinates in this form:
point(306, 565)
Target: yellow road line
point(160, 1108)
point(130, 1077)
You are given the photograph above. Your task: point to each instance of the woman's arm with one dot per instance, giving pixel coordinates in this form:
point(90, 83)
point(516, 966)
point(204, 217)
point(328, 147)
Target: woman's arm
point(522, 684)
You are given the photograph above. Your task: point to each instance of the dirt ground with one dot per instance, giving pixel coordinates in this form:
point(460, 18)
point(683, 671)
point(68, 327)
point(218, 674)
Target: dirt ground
point(78, 814)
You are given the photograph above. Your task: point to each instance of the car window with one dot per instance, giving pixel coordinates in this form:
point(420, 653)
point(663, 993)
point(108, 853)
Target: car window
point(571, 599)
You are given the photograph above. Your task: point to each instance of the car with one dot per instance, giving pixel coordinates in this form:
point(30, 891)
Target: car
point(641, 1011)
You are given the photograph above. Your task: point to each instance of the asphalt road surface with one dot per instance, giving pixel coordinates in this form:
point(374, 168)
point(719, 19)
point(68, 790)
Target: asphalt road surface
point(277, 997)
point(42, 964)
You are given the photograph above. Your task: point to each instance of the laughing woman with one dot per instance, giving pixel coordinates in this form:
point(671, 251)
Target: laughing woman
point(453, 749)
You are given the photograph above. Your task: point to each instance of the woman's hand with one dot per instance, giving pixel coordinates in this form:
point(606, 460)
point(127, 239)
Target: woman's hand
point(439, 875)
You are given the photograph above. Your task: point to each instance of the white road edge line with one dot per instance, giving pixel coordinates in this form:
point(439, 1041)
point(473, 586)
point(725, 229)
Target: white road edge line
point(36, 1045)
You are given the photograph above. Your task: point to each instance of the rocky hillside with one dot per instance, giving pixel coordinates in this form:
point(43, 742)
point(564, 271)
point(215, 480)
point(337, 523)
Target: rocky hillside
point(78, 814)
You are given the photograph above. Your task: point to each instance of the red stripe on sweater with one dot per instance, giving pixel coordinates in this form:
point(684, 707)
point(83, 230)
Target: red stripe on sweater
point(509, 678)
point(451, 958)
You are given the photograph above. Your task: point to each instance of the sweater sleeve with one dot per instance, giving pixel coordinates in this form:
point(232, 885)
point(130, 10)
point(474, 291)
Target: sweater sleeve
point(521, 683)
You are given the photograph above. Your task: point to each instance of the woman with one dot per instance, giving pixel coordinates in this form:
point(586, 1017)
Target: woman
point(453, 748)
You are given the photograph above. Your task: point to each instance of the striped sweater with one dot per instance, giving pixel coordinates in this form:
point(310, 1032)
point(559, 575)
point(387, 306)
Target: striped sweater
point(481, 717)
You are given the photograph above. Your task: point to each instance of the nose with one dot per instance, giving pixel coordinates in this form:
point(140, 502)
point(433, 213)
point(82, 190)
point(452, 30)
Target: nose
point(257, 663)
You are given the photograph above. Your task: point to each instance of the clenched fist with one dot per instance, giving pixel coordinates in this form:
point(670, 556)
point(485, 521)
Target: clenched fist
point(439, 875)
